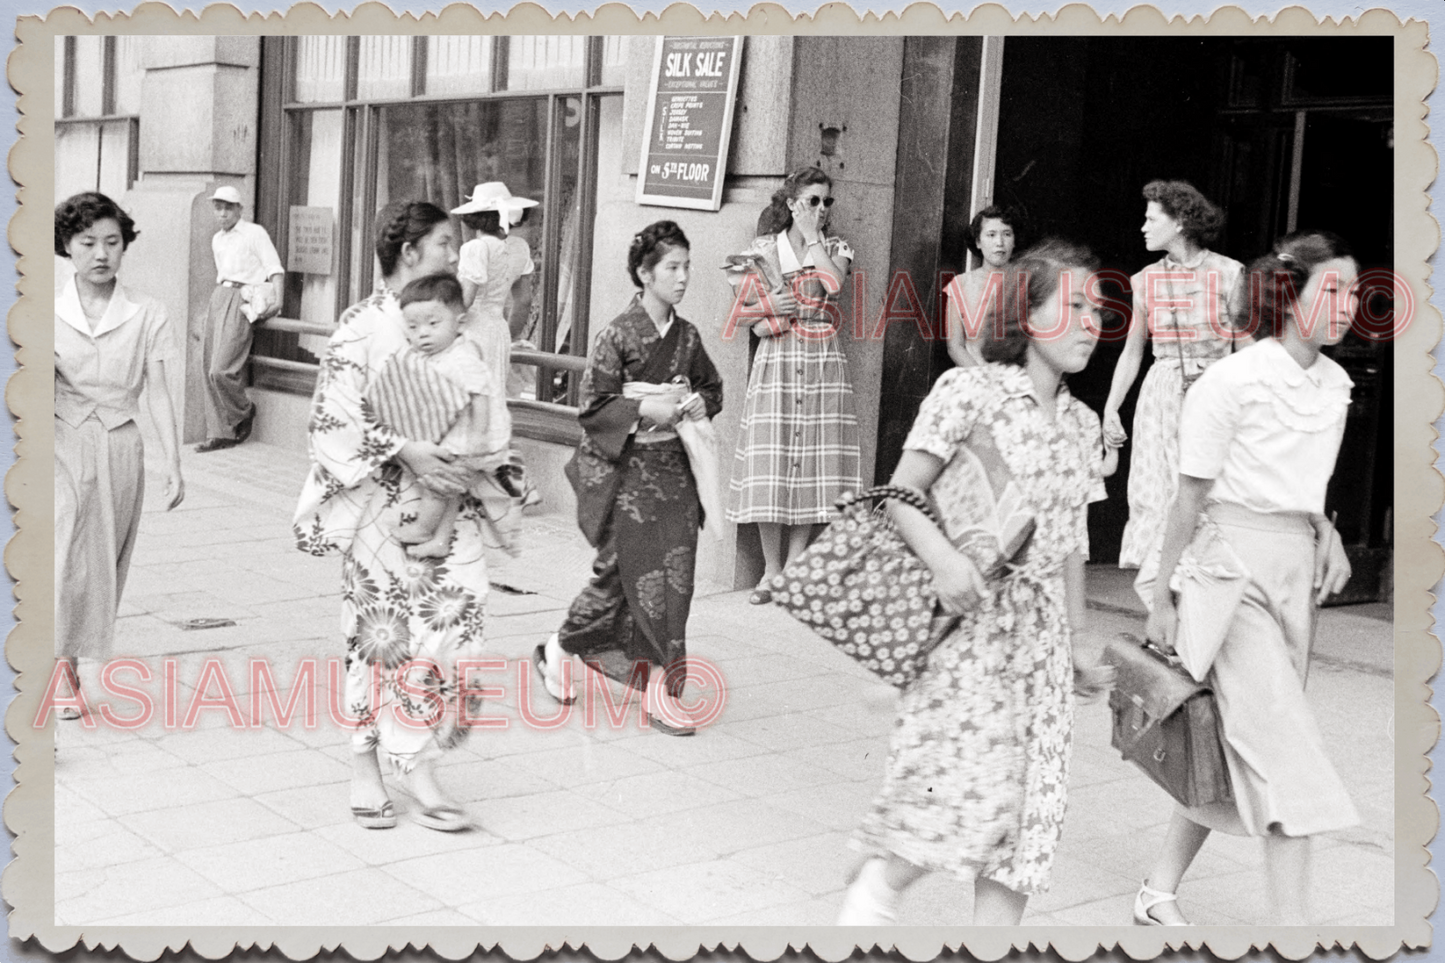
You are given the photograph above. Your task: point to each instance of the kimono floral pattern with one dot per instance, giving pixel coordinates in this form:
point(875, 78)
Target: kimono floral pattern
point(406, 621)
point(637, 502)
point(979, 756)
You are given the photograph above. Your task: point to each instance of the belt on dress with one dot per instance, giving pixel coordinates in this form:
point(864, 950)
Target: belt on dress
point(231, 284)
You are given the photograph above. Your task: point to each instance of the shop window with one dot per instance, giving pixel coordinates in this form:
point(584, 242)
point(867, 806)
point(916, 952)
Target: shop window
point(357, 122)
point(97, 130)
point(545, 63)
point(384, 71)
point(458, 65)
point(319, 73)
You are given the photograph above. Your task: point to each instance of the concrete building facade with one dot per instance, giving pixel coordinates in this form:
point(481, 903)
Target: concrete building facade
point(918, 133)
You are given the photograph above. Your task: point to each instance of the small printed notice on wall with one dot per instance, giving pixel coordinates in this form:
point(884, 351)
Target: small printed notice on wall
point(689, 121)
point(309, 241)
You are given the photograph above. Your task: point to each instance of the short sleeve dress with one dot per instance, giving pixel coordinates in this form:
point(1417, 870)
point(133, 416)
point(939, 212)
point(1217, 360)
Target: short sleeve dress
point(978, 761)
point(1188, 317)
point(798, 441)
point(487, 262)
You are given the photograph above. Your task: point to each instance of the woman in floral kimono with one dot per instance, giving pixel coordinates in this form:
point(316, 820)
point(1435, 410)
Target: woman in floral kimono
point(422, 613)
point(637, 498)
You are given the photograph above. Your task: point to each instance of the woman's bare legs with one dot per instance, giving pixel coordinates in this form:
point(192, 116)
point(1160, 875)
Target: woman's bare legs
point(1287, 874)
point(901, 874)
point(994, 904)
point(773, 535)
point(770, 534)
point(424, 786)
point(799, 538)
point(1181, 845)
point(872, 896)
point(367, 789)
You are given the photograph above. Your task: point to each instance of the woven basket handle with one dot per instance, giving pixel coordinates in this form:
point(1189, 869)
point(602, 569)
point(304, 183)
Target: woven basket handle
point(902, 493)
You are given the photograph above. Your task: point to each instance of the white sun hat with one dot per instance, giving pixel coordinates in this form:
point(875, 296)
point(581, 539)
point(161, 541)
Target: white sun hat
point(494, 196)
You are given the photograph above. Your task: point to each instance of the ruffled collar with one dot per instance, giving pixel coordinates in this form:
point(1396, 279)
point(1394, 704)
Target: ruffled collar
point(1321, 374)
point(118, 311)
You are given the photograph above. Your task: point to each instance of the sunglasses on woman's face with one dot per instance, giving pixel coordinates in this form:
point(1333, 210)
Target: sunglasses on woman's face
point(814, 200)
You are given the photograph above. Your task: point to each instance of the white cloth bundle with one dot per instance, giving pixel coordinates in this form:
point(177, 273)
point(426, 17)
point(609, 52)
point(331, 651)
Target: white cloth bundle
point(699, 440)
point(256, 300)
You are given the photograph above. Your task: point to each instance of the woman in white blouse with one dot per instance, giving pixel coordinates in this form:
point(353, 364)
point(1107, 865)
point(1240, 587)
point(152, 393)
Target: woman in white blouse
point(1258, 440)
point(109, 344)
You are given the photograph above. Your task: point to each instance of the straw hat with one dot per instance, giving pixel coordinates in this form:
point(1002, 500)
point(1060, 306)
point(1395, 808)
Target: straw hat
point(494, 196)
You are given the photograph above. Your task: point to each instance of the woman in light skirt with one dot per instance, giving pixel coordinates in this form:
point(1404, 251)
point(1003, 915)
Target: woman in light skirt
point(1258, 441)
point(111, 349)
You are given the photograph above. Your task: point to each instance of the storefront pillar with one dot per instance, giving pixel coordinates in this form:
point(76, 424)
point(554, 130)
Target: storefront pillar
point(208, 88)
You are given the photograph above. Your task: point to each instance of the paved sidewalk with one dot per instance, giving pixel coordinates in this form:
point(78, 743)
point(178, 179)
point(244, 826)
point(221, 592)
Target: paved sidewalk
point(746, 823)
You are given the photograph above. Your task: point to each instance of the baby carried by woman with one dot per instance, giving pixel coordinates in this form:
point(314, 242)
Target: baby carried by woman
point(441, 389)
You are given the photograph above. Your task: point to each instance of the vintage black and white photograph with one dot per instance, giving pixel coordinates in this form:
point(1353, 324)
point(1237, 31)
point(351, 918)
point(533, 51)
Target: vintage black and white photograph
point(769, 480)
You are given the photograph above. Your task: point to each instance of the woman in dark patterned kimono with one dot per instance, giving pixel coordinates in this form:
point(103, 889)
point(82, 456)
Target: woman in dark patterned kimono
point(421, 614)
point(637, 499)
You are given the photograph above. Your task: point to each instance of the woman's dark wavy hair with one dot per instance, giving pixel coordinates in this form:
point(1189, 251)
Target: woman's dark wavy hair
point(1028, 281)
point(1276, 279)
point(401, 223)
point(77, 213)
point(999, 213)
point(776, 217)
point(651, 245)
point(1199, 218)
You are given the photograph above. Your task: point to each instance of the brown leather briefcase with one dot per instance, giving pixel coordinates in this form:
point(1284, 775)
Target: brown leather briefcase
point(1166, 723)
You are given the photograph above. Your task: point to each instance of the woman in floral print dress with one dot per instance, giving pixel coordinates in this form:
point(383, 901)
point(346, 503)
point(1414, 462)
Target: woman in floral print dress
point(1183, 303)
point(979, 756)
point(425, 613)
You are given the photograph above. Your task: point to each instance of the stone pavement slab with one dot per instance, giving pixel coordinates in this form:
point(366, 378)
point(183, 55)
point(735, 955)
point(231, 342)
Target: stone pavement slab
point(746, 823)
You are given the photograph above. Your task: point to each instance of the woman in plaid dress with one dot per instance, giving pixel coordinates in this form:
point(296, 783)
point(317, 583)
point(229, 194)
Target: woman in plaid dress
point(798, 444)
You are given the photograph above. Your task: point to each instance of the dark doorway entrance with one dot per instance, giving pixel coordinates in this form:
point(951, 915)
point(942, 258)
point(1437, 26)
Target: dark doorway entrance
point(1282, 134)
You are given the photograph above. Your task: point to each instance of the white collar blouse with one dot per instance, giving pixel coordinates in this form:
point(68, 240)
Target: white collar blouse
point(1265, 430)
point(102, 372)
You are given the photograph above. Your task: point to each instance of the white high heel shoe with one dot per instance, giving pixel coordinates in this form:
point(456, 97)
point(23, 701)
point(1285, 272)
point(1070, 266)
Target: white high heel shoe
point(1146, 899)
point(870, 900)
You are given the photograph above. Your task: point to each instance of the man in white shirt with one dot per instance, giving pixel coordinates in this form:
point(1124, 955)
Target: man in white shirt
point(248, 289)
